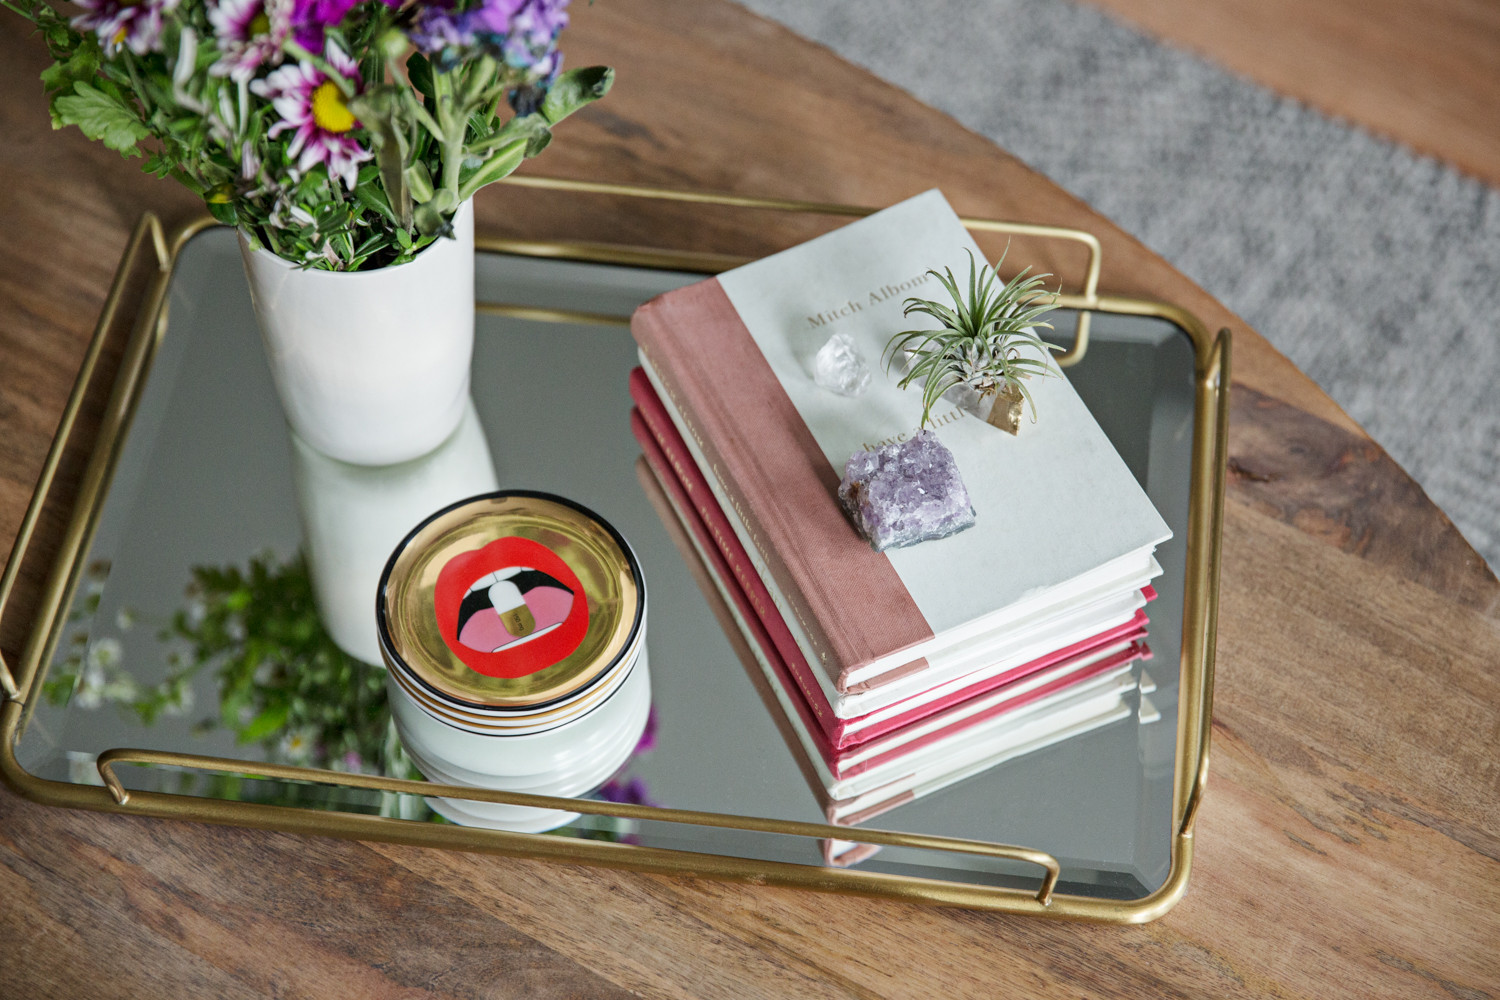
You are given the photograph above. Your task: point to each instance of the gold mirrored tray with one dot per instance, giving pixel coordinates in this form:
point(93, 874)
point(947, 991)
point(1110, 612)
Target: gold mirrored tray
point(175, 587)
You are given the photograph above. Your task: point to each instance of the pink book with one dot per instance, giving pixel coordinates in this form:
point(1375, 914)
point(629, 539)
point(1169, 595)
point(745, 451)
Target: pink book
point(731, 359)
point(664, 446)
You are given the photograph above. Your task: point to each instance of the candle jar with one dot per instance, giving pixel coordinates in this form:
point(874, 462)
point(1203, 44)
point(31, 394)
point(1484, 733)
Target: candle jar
point(513, 627)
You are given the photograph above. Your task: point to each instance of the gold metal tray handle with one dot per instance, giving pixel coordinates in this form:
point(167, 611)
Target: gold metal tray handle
point(541, 314)
point(1207, 524)
point(622, 810)
point(1083, 301)
point(7, 682)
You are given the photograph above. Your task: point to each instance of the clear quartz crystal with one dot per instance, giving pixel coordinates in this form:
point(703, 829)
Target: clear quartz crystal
point(906, 493)
point(840, 368)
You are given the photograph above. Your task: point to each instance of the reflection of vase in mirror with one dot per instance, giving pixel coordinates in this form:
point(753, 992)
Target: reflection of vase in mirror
point(353, 516)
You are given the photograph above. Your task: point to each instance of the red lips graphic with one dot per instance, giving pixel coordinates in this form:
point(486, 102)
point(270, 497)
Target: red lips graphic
point(511, 608)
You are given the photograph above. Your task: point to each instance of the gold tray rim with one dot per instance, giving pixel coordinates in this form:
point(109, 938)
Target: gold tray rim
point(1200, 609)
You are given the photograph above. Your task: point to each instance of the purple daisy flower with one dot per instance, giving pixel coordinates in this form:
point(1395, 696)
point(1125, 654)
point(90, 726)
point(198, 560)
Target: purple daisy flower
point(135, 25)
point(310, 18)
point(521, 32)
point(530, 43)
point(436, 28)
point(311, 103)
point(250, 34)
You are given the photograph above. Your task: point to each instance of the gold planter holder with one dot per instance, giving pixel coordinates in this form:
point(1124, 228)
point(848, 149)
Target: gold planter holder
point(148, 262)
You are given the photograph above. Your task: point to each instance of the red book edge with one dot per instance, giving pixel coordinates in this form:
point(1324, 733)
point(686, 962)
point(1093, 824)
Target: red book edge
point(1124, 656)
point(667, 451)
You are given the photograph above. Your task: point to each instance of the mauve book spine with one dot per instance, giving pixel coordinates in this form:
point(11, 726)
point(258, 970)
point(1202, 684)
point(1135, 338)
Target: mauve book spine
point(846, 598)
point(663, 446)
point(717, 566)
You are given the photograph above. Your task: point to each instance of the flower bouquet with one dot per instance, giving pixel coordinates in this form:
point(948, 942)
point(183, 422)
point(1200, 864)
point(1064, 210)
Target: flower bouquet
point(339, 135)
point(344, 140)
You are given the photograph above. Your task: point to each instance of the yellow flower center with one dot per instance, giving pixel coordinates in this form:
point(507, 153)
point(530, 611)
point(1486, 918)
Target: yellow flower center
point(260, 24)
point(329, 111)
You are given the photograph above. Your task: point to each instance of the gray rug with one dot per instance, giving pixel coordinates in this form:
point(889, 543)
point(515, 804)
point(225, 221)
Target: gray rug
point(1377, 271)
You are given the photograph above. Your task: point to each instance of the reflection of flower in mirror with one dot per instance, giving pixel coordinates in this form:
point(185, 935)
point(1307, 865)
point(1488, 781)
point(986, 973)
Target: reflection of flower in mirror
point(297, 746)
point(648, 735)
point(632, 791)
point(283, 683)
point(92, 673)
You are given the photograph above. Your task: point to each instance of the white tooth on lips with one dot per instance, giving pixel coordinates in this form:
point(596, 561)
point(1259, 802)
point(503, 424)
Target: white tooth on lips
point(495, 577)
point(505, 595)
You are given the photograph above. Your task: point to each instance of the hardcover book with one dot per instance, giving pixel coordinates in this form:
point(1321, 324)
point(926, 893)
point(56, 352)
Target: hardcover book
point(1051, 706)
point(1063, 529)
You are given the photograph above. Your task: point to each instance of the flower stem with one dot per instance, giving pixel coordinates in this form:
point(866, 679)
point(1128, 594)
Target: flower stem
point(452, 133)
point(420, 113)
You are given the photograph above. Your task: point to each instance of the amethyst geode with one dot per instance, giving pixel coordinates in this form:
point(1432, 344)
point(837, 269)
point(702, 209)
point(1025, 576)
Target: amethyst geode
point(906, 493)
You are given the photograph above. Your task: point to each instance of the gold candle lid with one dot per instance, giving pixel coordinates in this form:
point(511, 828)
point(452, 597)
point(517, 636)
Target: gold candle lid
point(510, 600)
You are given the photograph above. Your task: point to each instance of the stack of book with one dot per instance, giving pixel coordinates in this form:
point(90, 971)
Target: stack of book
point(899, 672)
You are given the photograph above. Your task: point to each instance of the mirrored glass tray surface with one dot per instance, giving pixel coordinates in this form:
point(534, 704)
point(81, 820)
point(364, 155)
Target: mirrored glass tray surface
point(177, 619)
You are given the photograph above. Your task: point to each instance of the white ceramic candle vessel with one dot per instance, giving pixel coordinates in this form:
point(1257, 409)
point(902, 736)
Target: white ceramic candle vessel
point(372, 367)
point(570, 760)
point(513, 629)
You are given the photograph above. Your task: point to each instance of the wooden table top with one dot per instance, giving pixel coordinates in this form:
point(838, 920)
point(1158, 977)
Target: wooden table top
point(1349, 843)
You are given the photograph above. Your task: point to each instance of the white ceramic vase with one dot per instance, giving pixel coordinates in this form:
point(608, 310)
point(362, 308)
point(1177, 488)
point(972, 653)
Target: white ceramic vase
point(372, 367)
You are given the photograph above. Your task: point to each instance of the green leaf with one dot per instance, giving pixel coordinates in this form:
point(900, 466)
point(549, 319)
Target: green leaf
point(501, 163)
point(532, 128)
point(60, 76)
point(378, 111)
point(419, 180)
point(574, 89)
point(419, 72)
point(431, 215)
point(374, 198)
point(224, 212)
point(101, 117)
point(270, 720)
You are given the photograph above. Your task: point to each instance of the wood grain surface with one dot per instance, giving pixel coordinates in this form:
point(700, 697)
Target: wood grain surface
point(1349, 844)
point(1423, 72)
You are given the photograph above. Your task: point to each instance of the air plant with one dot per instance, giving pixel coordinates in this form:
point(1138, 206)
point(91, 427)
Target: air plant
point(987, 341)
